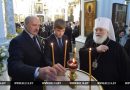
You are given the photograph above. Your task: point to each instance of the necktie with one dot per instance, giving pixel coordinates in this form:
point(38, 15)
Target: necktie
point(34, 39)
point(60, 43)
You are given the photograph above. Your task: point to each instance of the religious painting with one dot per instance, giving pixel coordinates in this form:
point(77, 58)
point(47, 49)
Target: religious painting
point(41, 17)
point(119, 13)
point(16, 18)
point(89, 16)
point(39, 8)
point(70, 13)
point(21, 18)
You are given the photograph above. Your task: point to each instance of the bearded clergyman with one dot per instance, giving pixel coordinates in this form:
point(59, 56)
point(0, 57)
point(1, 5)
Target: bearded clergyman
point(109, 60)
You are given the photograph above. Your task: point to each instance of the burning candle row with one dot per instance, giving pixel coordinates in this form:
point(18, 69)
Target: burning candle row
point(72, 64)
point(53, 59)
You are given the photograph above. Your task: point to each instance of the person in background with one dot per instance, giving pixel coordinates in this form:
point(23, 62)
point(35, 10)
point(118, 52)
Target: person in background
point(42, 32)
point(90, 36)
point(68, 32)
point(109, 60)
point(122, 37)
point(26, 58)
point(75, 31)
point(127, 45)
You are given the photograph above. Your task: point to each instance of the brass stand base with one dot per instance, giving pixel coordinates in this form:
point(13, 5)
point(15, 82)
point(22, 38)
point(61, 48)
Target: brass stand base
point(72, 76)
point(73, 86)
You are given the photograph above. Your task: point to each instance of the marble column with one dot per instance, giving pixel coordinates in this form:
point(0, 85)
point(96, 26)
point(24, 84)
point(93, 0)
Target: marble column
point(9, 15)
point(128, 13)
point(82, 38)
point(2, 29)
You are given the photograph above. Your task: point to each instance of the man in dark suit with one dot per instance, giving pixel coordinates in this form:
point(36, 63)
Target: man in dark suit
point(26, 58)
point(68, 33)
point(58, 39)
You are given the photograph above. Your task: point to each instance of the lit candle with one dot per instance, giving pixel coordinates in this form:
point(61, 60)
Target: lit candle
point(53, 61)
point(90, 73)
point(65, 53)
point(72, 64)
point(75, 53)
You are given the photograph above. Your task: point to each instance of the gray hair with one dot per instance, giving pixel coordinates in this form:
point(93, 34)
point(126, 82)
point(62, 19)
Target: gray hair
point(28, 19)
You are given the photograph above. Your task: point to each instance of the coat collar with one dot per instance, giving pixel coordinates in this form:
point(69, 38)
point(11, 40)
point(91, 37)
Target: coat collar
point(30, 40)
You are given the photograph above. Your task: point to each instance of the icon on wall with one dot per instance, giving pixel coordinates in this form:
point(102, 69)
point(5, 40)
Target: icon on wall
point(39, 8)
point(119, 13)
point(89, 16)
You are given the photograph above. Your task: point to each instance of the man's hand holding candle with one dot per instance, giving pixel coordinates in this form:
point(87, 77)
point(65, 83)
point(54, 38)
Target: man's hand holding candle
point(60, 69)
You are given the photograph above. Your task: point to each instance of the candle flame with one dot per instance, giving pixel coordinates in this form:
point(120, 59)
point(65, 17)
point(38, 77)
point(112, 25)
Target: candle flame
point(90, 49)
point(73, 60)
point(66, 41)
point(51, 44)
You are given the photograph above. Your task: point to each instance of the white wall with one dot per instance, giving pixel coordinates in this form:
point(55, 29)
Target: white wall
point(104, 7)
point(128, 15)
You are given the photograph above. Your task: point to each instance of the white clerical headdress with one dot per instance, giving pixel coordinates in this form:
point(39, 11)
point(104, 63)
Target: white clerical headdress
point(103, 22)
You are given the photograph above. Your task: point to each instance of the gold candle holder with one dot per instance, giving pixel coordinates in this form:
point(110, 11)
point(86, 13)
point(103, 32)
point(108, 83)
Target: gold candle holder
point(72, 65)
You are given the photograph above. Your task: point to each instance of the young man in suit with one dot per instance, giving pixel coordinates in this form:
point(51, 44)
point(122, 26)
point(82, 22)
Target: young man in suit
point(26, 58)
point(58, 39)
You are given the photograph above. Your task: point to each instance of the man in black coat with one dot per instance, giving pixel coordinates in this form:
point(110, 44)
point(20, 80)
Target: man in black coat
point(59, 40)
point(26, 58)
point(68, 33)
point(109, 59)
point(127, 47)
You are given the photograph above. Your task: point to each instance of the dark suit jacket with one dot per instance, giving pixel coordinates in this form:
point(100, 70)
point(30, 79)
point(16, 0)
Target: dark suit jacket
point(24, 58)
point(68, 33)
point(58, 55)
point(127, 47)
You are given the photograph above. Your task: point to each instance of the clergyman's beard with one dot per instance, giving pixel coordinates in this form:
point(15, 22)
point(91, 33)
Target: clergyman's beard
point(99, 39)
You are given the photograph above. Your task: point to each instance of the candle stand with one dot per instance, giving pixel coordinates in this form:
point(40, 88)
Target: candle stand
point(72, 65)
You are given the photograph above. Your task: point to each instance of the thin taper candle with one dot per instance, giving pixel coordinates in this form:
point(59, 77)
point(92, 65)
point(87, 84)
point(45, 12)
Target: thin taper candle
point(75, 53)
point(90, 72)
point(65, 53)
point(53, 61)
